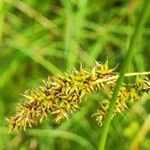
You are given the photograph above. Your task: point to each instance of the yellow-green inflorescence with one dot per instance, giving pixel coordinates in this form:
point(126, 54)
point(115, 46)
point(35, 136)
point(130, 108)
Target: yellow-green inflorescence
point(128, 95)
point(60, 96)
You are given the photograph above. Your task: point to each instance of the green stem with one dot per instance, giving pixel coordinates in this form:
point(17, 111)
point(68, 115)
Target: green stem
point(1, 18)
point(74, 26)
point(126, 63)
point(126, 75)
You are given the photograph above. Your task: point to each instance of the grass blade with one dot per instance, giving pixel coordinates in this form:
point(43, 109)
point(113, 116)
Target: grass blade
point(128, 58)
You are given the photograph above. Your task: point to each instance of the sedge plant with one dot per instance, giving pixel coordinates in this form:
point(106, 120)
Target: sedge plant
point(140, 23)
point(59, 96)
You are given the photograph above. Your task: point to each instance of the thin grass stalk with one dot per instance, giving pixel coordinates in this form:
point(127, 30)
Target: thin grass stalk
point(141, 134)
point(48, 133)
point(134, 39)
point(1, 19)
point(70, 44)
point(126, 75)
point(26, 9)
point(74, 27)
point(39, 59)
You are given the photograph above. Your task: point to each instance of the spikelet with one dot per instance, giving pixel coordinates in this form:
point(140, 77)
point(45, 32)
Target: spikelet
point(59, 96)
point(128, 95)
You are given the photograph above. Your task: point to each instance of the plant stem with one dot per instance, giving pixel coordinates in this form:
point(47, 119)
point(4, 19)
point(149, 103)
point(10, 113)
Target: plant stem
point(26, 9)
point(126, 75)
point(132, 46)
point(74, 26)
point(1, 18)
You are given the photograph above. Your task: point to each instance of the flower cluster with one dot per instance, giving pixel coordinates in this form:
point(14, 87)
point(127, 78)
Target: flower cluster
point(128, 95)
point(60, 96)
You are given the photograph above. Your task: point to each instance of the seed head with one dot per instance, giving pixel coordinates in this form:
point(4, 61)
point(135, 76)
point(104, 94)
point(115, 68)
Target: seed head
point(128, 95)
point(59, 96)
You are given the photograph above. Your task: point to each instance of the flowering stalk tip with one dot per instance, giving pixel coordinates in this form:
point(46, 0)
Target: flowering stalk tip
point(59, 96)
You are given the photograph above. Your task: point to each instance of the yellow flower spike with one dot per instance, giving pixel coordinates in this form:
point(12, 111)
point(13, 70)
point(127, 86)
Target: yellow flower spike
point(59, 96)
point(129, 94)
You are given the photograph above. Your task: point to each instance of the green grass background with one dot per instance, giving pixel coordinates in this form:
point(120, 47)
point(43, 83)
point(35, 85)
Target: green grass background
point(39, 38)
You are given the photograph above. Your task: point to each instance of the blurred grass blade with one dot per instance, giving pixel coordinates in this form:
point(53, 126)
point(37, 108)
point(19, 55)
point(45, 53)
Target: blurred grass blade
point(141, 134)
point(34, 14)
point(1, 18)
point(74, 26)
point(63, 134)
point(36, 57)
point(134, 39)
point(55, 133)
point(96, 49)
point(5, 76)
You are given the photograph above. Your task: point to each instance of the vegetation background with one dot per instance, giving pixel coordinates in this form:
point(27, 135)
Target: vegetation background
point(39, 38)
